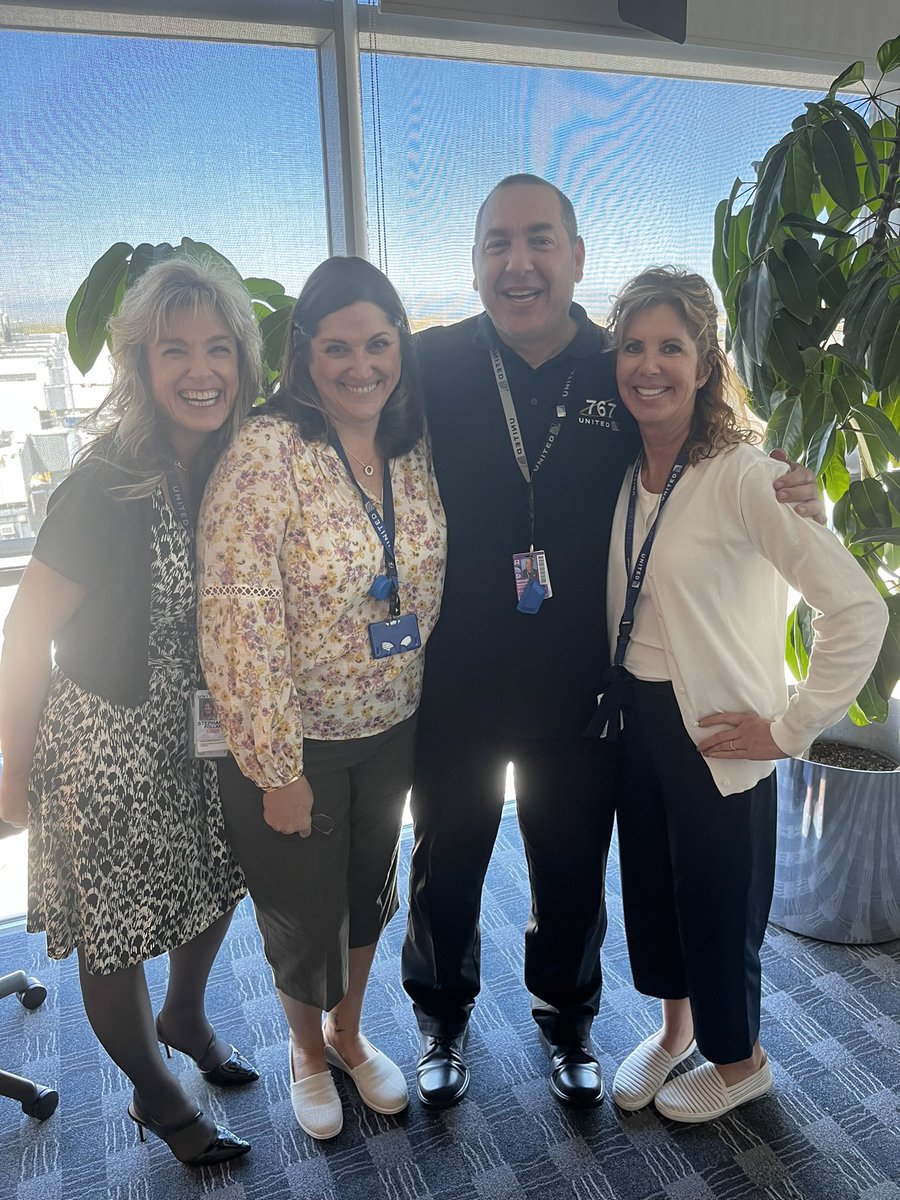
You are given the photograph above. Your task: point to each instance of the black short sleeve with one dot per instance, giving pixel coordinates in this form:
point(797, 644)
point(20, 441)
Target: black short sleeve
point(82, 525)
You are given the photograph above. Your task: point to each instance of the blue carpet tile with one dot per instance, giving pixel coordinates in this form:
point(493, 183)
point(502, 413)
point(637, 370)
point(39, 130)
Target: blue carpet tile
point(829, 1131)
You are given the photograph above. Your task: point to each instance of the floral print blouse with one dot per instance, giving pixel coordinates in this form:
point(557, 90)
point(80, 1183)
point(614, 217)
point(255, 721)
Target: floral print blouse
point(286, 558)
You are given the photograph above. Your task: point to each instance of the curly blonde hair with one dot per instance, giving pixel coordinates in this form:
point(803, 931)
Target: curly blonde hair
point(719, 419)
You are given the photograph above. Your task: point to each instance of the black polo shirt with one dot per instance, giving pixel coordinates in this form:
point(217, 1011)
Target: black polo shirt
point(488, 664)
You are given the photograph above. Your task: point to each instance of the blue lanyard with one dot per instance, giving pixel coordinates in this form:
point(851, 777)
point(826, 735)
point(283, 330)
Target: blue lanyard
point(636, 572)
point(384, 526)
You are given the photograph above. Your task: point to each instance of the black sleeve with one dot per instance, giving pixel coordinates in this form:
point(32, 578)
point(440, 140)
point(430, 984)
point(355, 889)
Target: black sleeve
point(81, 528)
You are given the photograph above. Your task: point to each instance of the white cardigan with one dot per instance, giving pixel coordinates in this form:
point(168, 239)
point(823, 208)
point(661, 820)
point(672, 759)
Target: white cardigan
point(724, 548)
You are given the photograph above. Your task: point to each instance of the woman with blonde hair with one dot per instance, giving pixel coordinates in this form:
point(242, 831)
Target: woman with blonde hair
point(700, 555)
point(127, 851)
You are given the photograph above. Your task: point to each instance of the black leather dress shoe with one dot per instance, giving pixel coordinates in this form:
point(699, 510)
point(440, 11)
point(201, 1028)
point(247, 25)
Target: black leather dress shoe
point(441, 1074)
point(574, 1074)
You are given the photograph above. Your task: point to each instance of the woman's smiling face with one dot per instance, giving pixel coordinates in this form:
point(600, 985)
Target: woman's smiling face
point(193, 376)
point(658, 370)
point(354, 363)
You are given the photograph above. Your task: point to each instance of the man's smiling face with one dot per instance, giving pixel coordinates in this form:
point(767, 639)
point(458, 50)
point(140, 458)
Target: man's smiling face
point(526, 268)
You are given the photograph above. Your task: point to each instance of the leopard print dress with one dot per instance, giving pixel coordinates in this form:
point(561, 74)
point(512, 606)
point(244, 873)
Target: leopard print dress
point(127, 849)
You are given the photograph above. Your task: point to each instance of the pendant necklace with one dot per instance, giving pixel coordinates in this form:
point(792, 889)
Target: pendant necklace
point(368, 468)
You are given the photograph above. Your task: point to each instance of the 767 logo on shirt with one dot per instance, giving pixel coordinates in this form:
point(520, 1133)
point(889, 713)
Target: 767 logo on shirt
point(599, 412)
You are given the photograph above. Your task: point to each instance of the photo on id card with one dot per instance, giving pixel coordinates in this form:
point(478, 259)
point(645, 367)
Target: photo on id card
point(528, 566)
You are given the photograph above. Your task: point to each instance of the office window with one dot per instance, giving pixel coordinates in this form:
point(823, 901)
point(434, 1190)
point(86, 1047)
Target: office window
point(644, 160)
point(108, 139)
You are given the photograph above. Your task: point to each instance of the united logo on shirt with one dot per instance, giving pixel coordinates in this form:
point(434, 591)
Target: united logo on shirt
point(599, 413)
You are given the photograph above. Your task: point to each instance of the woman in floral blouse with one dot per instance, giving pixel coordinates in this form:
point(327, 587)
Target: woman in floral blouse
point(322, 546)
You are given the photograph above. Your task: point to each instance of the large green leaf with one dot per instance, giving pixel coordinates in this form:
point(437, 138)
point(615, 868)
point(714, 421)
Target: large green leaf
point(869, 295)
point(104, 283)
point(885, 356)
point(798, 221)
point(766, 199)
point(794, 279)
point(837, 477)
point(262, 289)
point(883, 133)
point(784, 429)
point(852, 74)
point(889, 55)
point(799, 176)
point(274, 329)
point(870, 504)
point(832, 284)
point(859, 128)
point(836, 163)
point(889, 534)
point(798, 640)
point(720, 245)
point(755, 311)
point(787, 336)
point(846, 392)
point(874, 423)
point(85, 356)
point(737, 239)
point(821, 447)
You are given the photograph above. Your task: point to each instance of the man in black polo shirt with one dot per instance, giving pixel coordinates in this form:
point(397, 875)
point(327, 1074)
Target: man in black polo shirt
point(530, 448)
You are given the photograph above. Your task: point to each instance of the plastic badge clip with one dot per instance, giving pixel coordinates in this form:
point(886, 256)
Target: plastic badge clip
point(532, 597)
point(381, 587)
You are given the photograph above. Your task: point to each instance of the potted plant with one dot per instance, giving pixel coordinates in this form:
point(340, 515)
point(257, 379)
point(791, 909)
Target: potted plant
point(807, 258)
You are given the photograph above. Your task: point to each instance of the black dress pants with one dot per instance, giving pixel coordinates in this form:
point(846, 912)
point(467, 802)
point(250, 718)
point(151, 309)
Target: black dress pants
point(698, 870)
point(565, 799)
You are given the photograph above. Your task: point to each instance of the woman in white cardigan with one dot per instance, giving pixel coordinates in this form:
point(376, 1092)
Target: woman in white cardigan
point(697, 696)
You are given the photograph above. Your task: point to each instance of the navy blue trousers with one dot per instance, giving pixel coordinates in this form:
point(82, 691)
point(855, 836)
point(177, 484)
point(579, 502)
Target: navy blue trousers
point(698, 871)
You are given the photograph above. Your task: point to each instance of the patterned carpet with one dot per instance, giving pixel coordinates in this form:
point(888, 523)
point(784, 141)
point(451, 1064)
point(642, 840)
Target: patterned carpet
point(831, 1131)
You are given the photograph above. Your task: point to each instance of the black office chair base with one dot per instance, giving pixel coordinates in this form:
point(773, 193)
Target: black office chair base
point(36, 1100)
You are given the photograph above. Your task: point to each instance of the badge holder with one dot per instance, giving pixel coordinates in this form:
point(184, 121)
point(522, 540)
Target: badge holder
point(205, 739)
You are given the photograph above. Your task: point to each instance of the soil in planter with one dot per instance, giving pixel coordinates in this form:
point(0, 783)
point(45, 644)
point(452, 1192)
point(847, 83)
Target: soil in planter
point(854, 758)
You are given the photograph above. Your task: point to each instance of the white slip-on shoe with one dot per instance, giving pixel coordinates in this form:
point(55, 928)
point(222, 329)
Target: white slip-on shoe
point(379, 1081)
point(316, 1103)
point(703, 1095)
point(643, 1073)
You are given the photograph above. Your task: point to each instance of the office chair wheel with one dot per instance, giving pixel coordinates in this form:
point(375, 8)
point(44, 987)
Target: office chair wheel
point(43, 1105)
point(33, 995)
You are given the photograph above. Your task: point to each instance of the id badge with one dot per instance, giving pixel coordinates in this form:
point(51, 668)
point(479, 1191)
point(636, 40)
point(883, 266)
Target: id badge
point(205, 738)
point(531, 567)
point(394, 636)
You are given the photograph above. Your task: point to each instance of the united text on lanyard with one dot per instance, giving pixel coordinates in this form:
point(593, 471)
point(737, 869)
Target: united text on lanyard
point(607, 720)
point(384, 526)
point(635, 572)
point(515, 432)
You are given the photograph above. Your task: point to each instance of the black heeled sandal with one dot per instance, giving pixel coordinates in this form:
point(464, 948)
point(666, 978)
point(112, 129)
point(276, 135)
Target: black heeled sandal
point(223, 1146)
point(233, 1072)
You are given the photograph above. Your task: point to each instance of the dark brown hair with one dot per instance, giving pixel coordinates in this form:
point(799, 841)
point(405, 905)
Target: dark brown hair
point(335, 284)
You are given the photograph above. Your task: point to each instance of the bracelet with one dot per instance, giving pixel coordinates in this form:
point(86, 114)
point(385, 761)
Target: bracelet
point(278, 787)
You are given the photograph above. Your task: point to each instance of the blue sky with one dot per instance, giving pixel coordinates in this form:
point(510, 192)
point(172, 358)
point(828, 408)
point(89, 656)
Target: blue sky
point(133, 139)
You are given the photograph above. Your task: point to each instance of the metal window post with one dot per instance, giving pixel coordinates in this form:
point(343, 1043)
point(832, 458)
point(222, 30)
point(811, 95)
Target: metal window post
point(342, 134)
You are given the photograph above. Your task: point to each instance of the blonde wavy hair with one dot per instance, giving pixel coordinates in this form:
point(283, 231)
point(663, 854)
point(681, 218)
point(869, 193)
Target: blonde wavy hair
point(127, 421)
point(720, 415)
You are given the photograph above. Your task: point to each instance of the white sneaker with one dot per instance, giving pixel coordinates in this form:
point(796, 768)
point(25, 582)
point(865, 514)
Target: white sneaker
point(703, 1095)
point(316, 1103)
point(643, 1073)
